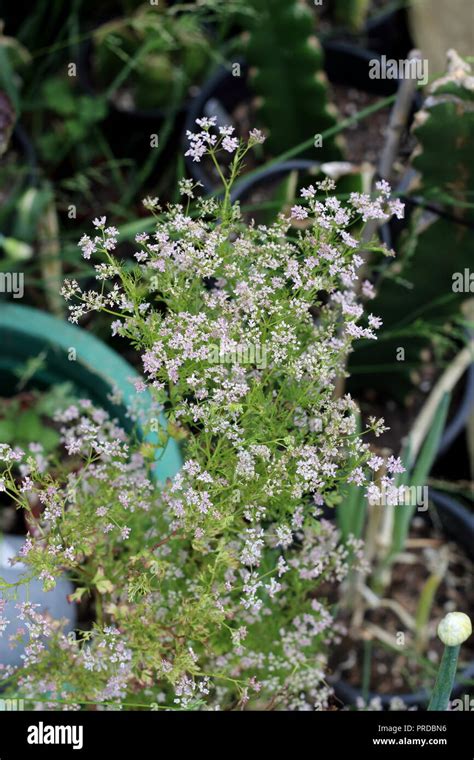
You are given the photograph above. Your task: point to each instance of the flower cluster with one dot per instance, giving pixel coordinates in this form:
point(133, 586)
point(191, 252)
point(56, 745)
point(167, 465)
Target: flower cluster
point(3, 620)
point(219, 572)
point(92, 501)
point(206, 142)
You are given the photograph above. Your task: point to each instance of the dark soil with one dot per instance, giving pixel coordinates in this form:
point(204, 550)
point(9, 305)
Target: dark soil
point(401, 672)
point(364, 141)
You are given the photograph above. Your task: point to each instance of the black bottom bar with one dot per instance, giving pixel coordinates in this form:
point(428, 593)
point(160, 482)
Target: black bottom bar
point(141, 735)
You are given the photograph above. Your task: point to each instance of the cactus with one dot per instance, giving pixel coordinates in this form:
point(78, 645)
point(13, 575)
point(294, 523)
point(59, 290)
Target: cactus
point(286, 74)
point(435, 247)
point(444, 128)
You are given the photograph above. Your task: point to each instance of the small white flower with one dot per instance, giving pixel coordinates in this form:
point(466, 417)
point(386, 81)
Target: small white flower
point(454, 628)
point(298, 212)
point(256, 137)
point(226, 131)
point(205, 123)
point(151, 203)
point(230, 144)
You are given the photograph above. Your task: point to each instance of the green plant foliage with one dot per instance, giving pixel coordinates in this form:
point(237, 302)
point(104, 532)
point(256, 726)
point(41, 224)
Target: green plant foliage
point(286, 74)
point(351, 511)
point(351, 13)
point(416, 298)
point(145, 59)
point(417, 475)
point(72, 117)
point(445, 680)
point(7, 121)
point(27, 418)
point(444, 128)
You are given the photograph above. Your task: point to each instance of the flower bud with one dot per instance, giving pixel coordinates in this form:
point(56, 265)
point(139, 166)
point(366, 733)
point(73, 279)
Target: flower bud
point(454, 629)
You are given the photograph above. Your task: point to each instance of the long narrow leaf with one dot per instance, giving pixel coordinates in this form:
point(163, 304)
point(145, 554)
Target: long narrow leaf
point(419, 474)
point(351, 512)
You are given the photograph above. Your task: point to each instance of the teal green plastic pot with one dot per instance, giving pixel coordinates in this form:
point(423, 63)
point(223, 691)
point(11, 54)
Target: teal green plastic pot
point(96, 372)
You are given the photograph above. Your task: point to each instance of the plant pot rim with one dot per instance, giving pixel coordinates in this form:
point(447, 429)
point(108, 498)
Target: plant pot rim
point(222, 74)
point(267, 173)
point(98, 369)
point(459, 421)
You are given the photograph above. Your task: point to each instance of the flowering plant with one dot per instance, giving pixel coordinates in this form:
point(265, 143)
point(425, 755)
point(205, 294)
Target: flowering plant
point(205, 593)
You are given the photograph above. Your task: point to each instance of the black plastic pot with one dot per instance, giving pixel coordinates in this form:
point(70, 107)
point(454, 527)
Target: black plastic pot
point(388, 34)
point(21, 142)
point(349, 64)
point(128, 131)
point(131, 119)
point(269, 174)
point(460, 418)
point(457, 520)
point(84, 71)
point(50, 17)
point(219, 96)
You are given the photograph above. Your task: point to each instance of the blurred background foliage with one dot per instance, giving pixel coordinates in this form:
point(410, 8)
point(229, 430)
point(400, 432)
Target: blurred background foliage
point(95, 99)
point(95, 102)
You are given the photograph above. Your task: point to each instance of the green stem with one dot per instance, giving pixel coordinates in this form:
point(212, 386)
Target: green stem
point(366, 670)
point(424, 608)
point(445, 679)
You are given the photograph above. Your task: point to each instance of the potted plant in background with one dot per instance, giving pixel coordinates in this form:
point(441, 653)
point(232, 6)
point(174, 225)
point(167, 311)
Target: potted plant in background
point(45, 366)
